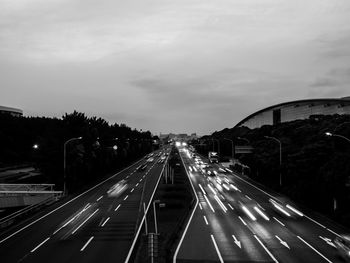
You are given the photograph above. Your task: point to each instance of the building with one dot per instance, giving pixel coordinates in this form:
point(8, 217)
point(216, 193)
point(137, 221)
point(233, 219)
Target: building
point(11, 111)
point(296, 110)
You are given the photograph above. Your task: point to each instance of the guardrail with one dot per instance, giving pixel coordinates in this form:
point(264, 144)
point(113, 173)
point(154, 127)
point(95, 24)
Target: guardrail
point(10, 219)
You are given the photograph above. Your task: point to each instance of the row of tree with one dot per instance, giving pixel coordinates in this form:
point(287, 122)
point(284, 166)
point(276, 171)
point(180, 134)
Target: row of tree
point(39, 141)
point(315, 168)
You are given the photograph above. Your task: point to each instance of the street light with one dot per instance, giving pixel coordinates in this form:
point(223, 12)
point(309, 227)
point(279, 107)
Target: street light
point(36, 146)
point(244, 139)
point(218, 145)
point(64, 162)
point(155, 215)
point(233, 147)
point(337, 135)
point(280, 144)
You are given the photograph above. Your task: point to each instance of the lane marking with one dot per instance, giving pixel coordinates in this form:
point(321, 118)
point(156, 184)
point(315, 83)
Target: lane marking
point(333, 232)
point(68, 202)
point(75, 230)
point(237, 242)
point(284, 243)
point(267, 251)
point(200, 206)
point(205, 219)
point(230, 206)
point(87, 243)
point(248, 197)
point(314, 249)
point(244, 223)
point(279, 221)
point(42, 243)
point(117, 207)
point(98, 199)
point(217, 249)
point(206, 198)
point(137, 185)
point(126, 197)
point(132, 190)
point(105, 222)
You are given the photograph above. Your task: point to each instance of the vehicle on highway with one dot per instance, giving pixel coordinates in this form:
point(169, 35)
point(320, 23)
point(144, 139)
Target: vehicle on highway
point(285, 208)
point(342, 244)
point(252, 209)
point(117, 189)
point(149, 160)
point(213, 157)
point(142, 167)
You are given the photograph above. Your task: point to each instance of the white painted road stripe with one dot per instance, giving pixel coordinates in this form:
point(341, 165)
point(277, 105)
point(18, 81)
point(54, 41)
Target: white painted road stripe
point(278, 221)
point(117, 207)
point(217, 249)
point(98, 199)
point(39, 245)
point(267, 251)
point(105, 222)
point(75, 230)
point(205, 219)
point(126, 197)
point(314, 249)
point(87, 243)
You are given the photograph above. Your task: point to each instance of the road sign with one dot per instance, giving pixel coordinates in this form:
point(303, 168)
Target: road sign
point(243, 149)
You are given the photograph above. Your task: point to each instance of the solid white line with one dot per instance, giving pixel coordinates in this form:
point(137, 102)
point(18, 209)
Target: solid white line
point(205, 219)
point(75, 230)
point(126, 197)
point(244, 223)
point(217, 249)
point(209, 203)
point(105, 222)
point(87, 243)
point(333, 232)
point(98, 199)
point(190, 219)
point(73, 199)
point(230, 206)
point(267, 251)
point(314, 249)
point(278, 221)
point(117, 207)
point(39, 245)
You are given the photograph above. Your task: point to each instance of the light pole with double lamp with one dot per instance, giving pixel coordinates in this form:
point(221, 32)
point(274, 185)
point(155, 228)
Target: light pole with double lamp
point(280, 144)
point(65, 162)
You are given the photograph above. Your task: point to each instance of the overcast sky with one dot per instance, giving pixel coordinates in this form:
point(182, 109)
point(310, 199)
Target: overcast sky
point(171, 66)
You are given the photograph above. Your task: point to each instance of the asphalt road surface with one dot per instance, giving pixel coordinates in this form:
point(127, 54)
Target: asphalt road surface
point(98, 225)
point(234, 221)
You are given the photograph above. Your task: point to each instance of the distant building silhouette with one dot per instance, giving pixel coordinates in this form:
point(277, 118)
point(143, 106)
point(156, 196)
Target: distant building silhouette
point(296, 110)
point(11, 111)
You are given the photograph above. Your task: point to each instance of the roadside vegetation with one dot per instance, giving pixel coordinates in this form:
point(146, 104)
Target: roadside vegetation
point(103, 148)
point(315, 167)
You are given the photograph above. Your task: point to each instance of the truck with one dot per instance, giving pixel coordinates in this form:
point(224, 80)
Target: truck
point(213, 157)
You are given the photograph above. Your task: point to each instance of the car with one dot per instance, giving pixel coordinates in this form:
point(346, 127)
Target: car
point(342, 244)
point(285, 208)
point(142, 167)
point(117, 189)
point(149, 160)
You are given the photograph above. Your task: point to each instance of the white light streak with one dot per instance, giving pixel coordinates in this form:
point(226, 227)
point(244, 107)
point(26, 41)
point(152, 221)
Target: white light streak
point(87, 243)
point(75, 230)
point(261, 213)
point(42, 243)
point(246, 210)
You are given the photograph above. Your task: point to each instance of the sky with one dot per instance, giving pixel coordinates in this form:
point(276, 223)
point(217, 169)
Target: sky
point(177, 66)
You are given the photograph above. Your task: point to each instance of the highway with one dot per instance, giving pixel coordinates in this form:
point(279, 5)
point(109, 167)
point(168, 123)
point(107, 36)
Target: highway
point(97, 225)
point(234, 221)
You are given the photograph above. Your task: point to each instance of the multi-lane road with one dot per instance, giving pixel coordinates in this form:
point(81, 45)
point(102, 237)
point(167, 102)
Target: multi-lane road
point(100, 224)
point(234, 221)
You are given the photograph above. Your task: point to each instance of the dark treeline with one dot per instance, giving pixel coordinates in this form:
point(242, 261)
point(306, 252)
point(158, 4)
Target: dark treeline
point(103, 147)
point(315, 167)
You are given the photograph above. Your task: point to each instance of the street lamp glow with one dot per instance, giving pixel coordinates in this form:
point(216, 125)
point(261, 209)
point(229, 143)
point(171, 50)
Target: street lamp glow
point(35, 146)
point(328, 134)
point(115, 147)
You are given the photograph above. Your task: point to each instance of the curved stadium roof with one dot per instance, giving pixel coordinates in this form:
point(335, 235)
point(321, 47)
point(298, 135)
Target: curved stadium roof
point(342, 101)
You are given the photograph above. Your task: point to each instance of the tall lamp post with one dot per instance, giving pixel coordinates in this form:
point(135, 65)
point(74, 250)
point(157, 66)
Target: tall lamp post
point(64, 162)
point(218, 145)
point(280, 144)
point(337, 135)
point(233, 147)
point(244, 139)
